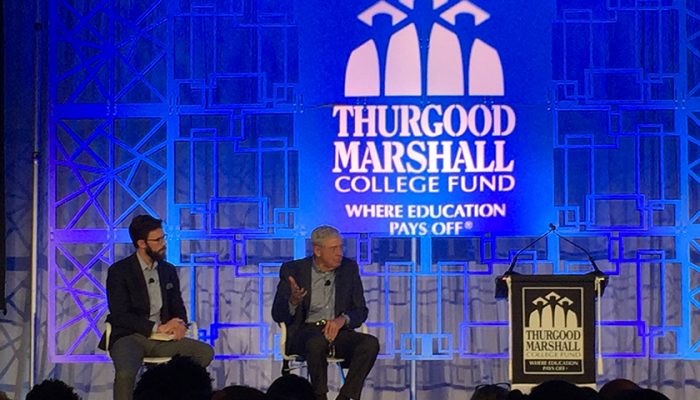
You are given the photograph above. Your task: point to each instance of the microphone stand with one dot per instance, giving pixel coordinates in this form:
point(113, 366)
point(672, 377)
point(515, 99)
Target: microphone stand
point(596, 271)
point(515, 258)
point(501, 285)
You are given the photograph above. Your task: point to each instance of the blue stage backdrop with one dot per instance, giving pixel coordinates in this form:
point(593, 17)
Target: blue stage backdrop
point(440, 135)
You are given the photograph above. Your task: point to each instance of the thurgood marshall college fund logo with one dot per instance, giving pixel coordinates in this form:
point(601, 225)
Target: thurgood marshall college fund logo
point(445, 66)
point(397, 144)
point(553, 330)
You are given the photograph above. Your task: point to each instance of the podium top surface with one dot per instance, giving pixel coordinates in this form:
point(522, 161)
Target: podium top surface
point(553, 278)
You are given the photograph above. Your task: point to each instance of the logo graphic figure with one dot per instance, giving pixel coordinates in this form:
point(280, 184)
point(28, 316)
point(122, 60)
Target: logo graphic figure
point(445, 71)
point(553, 312)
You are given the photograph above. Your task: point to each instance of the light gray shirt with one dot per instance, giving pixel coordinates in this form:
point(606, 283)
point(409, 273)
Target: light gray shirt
point(155, 297)
point(322, 302)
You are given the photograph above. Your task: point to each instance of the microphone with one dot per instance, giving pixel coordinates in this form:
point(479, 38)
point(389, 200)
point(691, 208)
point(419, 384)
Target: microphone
point(596, 271)
point(151, 280)
point(328, 282)
point(515, 258)
point(501, 285)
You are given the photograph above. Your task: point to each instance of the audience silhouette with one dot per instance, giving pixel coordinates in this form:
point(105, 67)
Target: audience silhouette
point(238, 392)
point(181, 378)
point(290, 387)
point(52, 389)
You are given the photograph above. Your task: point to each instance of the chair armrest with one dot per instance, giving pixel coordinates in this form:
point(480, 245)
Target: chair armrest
point(283, 340)
point(363, 328)
point(108, 333)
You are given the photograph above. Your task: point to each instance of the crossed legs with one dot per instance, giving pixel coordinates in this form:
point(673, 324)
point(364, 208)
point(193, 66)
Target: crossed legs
point(128, 353)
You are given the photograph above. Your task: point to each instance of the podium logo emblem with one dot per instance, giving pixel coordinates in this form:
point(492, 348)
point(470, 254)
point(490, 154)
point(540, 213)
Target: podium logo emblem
point(454, 64)
point(552, 329)
point(553, 311)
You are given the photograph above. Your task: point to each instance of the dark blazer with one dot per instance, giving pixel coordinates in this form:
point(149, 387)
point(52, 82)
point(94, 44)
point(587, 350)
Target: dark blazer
point(127, 296)
point(349, 294)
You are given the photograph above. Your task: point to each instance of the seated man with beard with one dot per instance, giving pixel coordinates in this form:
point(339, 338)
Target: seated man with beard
point(143, 293)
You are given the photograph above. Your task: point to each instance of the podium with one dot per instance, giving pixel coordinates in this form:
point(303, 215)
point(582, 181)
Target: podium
point(552, 328)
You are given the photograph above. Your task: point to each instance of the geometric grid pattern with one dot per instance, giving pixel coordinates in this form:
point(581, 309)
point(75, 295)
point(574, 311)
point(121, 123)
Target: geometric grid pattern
point(689, 121)
point(618, 77)
point(169, 110)
point(107, 139)
point(187, 111)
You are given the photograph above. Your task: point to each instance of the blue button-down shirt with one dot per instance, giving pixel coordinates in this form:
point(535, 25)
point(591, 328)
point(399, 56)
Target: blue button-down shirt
point(155, 297)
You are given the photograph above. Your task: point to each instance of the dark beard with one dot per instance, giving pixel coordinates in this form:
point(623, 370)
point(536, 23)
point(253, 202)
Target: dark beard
point(155, 256)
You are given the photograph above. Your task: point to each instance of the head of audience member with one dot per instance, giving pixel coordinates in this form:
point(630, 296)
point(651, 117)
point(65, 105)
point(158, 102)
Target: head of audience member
point(147, 236)
point(516, 395)
point(328, 247)
point(491, 392)
point(557, 390)
point(291, 387)
point(590, 393)
point(238, 392)
point(615, 386)
point(3, 396)
point(52, 389)
point(639, 394)
point(179, 379)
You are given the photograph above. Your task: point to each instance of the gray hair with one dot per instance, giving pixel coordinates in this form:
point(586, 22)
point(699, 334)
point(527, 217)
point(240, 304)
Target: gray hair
point(322, 233)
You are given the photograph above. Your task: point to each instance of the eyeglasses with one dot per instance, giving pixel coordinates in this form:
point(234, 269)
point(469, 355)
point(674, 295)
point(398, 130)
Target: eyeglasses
point(503, 385)
point(159, 240)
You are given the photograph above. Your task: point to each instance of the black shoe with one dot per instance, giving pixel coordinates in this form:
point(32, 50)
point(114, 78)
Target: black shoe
point(342, 397)
point(321, 397)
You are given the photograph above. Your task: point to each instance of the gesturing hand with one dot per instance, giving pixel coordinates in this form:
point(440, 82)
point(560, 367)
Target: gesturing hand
point(297, 292)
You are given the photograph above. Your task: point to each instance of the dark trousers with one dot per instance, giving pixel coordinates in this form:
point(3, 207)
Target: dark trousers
point(128, 352)
point(358, 349)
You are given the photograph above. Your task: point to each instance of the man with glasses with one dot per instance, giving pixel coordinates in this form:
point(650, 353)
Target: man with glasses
point(321, 300)
point(143, 294)
point(496, 391)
